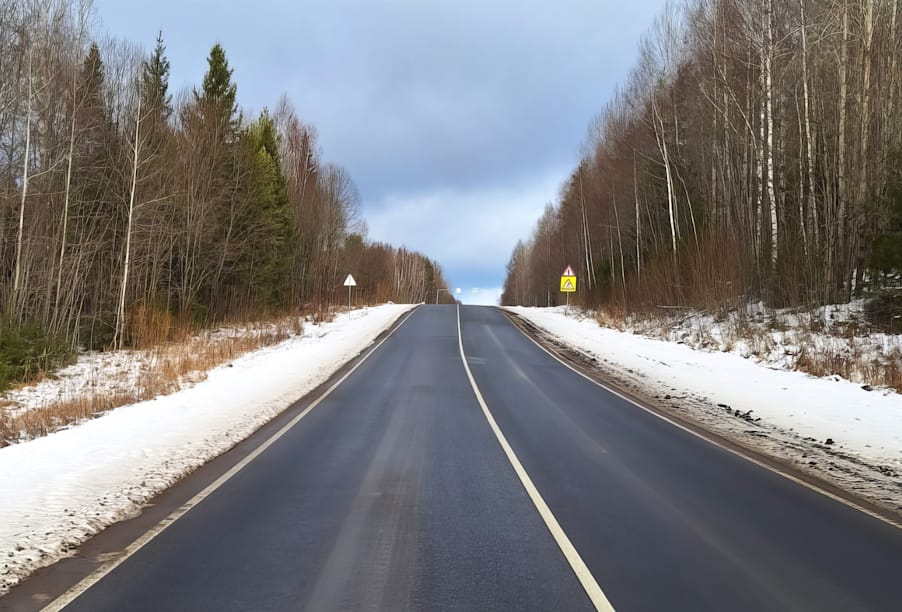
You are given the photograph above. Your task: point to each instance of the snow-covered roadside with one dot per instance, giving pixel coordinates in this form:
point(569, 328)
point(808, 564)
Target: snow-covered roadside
point(835, 339)
point(123, 371)
point(60, 489)
point(798, 413)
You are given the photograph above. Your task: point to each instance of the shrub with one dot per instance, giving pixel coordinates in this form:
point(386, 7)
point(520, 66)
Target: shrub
point(27, 351)
point(884, 310)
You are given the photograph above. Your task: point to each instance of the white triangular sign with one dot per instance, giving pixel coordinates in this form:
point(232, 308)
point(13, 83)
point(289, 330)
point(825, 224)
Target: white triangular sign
point(568, 285)
point(569, 272)
point(350, 282)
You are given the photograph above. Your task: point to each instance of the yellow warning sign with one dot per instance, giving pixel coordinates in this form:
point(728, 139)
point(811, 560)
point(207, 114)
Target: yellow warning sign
point(568, 284)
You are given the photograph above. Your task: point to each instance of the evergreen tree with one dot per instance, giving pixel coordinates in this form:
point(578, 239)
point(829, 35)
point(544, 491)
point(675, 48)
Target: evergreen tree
point(155, 81)
point(217, 98)
point(887, 254)
point(94, 121)
point(92, 72)
point(93, 104)
point(267, 267)
point(96, 216)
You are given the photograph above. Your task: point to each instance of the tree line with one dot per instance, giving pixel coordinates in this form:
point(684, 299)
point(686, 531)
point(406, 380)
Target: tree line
point(125, 211)
point(754, 153)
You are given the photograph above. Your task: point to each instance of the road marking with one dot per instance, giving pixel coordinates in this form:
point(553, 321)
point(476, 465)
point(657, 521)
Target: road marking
point(94, 577)
point(697, 434)
point(596, 595)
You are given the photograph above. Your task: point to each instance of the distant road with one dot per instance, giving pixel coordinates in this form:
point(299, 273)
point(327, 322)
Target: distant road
point(394, 494)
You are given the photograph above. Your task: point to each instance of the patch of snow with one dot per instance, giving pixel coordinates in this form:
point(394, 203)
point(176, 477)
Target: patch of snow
point(60, 489)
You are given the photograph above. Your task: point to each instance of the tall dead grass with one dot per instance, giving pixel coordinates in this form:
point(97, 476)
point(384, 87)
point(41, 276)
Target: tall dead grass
point(855, 365)
point(166, 367)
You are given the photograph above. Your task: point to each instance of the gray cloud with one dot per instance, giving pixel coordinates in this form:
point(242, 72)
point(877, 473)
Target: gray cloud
point(467, 227)
point(457, 113)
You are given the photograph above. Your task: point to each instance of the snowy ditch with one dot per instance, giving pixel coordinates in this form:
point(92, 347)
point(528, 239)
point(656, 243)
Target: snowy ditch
point(59, 490)
point(830, 427)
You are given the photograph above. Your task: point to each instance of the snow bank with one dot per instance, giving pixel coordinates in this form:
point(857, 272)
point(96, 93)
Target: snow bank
point(867, 423)
point(782, 337)
point(60, 489)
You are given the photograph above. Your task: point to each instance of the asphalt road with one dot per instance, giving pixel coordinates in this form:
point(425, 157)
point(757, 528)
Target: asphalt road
point(395, 494)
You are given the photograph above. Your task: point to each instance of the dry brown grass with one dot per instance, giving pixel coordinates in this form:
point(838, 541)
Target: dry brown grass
point(854, 355)
point(7, 433)
point(854, 365)
point(168, 367)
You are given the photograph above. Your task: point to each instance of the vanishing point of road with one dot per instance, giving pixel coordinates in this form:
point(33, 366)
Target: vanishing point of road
point(508, 483)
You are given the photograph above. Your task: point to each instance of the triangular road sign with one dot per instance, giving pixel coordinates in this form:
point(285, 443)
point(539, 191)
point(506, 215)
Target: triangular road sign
point(350, 282)
point(568, 284)
point(569, 272)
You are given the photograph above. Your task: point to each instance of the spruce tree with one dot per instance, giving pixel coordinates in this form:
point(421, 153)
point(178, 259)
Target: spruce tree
point(886, 256)
point(91, 83)
point(96, 215)
point(216, 99)
point(155, 81)
point(270, 213)
point(94, 119)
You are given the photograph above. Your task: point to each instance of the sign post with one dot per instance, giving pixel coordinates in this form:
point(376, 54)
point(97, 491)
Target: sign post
point(350, 283)
point(568, 284)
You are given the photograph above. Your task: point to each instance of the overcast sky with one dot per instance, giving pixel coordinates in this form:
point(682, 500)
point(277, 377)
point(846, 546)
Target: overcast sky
point(457, 119)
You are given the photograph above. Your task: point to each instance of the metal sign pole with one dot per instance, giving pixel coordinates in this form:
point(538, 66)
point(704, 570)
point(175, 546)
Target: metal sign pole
point(350, 283)
point(568, 286)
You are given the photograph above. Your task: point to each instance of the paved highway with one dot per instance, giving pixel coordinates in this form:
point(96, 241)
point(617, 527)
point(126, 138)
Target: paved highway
point(394, 494)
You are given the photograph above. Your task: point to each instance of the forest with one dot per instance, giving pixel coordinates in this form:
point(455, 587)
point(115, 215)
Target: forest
point(129, 211)
point(754, 153)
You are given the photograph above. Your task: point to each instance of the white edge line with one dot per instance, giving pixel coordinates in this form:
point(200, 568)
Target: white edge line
point(702, 436)
point(596, 595)
point(98, 574)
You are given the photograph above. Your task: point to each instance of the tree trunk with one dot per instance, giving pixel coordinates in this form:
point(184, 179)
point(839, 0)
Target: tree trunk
point(590, 264)
point(809, 141)
point(769, 97)
point(120, 316)
point(21, 233)
point(891, 97)
point(836, 248)
point(662, 146)
point(855, 260)
point(638, 226)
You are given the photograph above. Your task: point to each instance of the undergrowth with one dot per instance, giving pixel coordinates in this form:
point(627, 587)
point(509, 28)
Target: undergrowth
point(27, 352)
